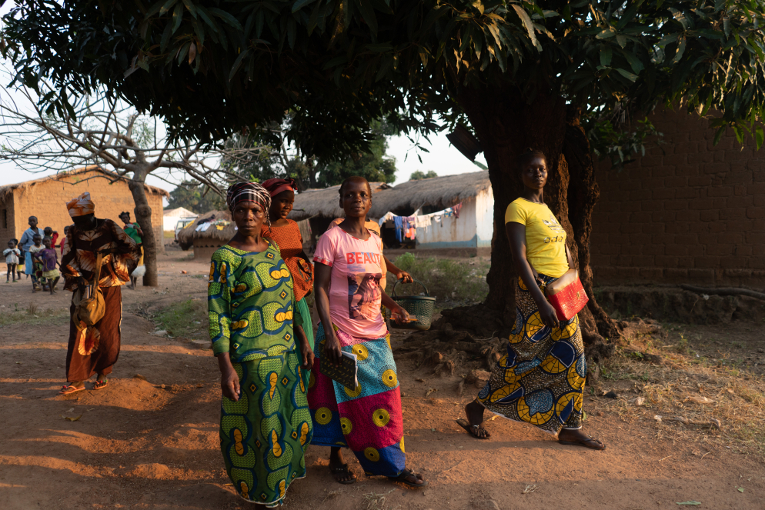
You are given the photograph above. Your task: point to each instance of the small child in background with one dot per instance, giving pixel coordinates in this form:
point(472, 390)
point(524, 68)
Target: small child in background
point(63, 241)
point(36, 263)
point(53, 234)
point(50, 264)
point(21, 258)
point(12, 255)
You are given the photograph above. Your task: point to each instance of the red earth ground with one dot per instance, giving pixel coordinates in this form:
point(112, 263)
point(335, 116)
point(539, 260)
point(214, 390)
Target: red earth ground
point(150, 439)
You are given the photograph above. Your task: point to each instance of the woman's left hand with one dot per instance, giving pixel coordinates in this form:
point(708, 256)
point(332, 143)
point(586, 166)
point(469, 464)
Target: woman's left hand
point(404, 277)
point(399, 315)
point(307, 355)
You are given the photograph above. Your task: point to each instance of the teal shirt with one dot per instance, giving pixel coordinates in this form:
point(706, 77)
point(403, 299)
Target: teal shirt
point(251, 304)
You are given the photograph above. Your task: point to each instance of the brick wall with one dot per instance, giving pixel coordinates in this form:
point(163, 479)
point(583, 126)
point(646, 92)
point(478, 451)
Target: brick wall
point(47, 200)
point(687, 212)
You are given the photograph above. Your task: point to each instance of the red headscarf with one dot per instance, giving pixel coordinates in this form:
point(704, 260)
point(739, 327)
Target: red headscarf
point(276, 186)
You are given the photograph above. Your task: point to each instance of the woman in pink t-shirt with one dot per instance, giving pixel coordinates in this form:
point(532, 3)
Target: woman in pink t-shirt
point(368, 419)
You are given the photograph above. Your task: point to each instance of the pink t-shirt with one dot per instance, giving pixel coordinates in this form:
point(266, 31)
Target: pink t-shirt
point(354, 288)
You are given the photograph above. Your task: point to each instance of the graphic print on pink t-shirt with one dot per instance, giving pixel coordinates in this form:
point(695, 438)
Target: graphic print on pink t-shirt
point(363, 294)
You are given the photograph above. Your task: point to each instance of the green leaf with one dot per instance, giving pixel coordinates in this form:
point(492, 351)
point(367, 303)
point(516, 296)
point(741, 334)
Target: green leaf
point(368, 13)
point(605, 34)
point(237, 64)
point(605, 55)
point(166, 7)
point(635, 62)
point(226, 17)
point(177, 16)
point(741, 489)
point(478, 5)
point(627, 74)
point(690, 503)
point(718, 134)
point(739, 133)
point(759, 136)
point(680, 49)
point(300, 4)
point(528, 24)
point(191, 7)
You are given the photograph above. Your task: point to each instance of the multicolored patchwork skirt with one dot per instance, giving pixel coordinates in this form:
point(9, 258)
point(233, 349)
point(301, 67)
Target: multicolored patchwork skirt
point(368, 419)
point(264, 434)
point(541, 378)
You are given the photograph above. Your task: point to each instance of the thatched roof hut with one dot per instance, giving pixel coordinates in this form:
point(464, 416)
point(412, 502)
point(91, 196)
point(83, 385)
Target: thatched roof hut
point(323, 202)
point(404, 199)
point(206, 240)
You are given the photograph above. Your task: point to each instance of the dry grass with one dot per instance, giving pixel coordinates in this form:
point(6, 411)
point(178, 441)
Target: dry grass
point(674, 389)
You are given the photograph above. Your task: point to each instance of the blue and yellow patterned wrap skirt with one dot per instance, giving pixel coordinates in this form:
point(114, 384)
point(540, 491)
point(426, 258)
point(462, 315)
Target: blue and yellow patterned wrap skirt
point(264, 434)
point(540, 380)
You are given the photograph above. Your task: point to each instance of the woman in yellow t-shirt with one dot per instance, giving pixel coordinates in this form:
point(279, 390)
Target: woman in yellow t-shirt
point(541, 378)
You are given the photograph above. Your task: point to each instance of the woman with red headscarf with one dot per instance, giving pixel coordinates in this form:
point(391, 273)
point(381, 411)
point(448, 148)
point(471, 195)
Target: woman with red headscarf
point(286, 234)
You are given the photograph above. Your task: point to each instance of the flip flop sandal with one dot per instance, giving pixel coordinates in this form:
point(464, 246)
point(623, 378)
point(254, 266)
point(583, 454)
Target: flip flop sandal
point(101, 384)
point(472, 429)
point(403, 478)
point(342, 469)
point(68, 389)
point(585, 442)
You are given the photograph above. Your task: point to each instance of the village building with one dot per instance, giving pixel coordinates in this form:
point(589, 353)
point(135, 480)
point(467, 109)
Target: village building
point(171, 217)
point(207, 233)
point(687, 212)
point(439, 225)
point(46, 198)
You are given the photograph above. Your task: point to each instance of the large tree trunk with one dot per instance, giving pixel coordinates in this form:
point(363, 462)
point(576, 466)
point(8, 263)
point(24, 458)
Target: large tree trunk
point(507, 124)
point(583, 194)
point(143, 218)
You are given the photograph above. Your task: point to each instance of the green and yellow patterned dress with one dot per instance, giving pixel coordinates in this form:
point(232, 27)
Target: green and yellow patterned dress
point(264, 434)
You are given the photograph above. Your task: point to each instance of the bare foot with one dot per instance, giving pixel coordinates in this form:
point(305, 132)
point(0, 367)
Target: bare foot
point(474, 413)
point(578, 438)
point(339, 469)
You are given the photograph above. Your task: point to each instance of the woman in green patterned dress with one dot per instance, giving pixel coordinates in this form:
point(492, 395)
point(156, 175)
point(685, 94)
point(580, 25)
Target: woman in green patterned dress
point(265, 422)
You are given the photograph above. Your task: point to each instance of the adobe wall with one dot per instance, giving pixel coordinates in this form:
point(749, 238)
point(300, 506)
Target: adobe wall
point(7, 229)
point(686, 212)
point(47, 200)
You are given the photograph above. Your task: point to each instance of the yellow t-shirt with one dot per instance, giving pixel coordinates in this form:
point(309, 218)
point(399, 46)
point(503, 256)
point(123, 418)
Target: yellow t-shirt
point(545, 238)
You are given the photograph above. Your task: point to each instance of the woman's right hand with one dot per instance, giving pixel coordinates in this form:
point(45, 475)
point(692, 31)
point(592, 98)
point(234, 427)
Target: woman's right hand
point(229, 383)
point(547, 314)
point(332, 351)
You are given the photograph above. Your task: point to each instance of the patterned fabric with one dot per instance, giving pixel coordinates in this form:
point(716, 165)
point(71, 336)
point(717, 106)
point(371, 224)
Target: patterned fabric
point(368, 420)
point(276, 186)
point(290, 244)
point(249, 192)
point(303, 319)
point(80, 206)
point(95, 350)
point(79, 258)
point(251, 304)
point(541, 378)
point(49, 259)
point(264, 434)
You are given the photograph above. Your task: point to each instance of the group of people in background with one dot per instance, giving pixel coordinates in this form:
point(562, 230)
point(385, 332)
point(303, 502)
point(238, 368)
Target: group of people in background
point(276, 397)
point(37, 250)
point(36, 254)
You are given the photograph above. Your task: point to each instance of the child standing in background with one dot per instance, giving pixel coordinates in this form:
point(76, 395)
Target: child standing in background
point(21, 257)
point(49, 232)
point(12, 255)
point(63, 241)
point(33, 250)
point(49, 261)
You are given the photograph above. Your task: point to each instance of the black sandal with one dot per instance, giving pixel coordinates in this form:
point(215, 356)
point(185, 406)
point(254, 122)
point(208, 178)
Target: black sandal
point(342, 469)
point(403, 478)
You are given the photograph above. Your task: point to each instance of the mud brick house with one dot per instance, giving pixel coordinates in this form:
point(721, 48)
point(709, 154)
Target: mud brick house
point(686, 212)
point(46, 198)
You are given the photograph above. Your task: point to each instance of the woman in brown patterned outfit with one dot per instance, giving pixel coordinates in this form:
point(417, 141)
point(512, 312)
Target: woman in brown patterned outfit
point(94, 350)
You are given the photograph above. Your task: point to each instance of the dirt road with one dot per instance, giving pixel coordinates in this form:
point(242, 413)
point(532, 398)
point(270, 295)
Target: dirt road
point(150, 439)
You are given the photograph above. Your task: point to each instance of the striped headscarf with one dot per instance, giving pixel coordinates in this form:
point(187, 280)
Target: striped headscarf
point(249, 192)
